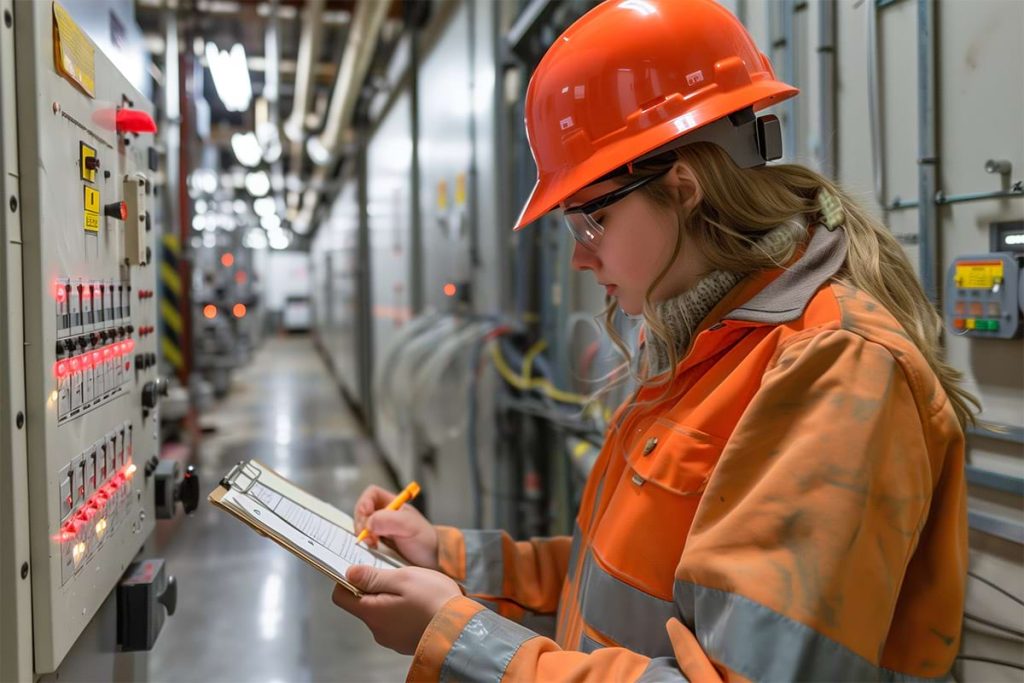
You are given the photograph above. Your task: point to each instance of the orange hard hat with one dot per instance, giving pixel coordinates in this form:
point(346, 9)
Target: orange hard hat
point(632, 78)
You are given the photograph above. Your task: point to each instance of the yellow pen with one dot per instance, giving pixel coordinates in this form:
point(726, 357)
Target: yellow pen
point(407, 494)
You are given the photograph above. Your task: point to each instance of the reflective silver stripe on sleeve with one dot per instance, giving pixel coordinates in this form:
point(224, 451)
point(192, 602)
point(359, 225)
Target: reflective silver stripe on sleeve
point(626, 615)
point(485, 561)
point(761, 644)
point(484, 648)
point(662, 670)
point(588, 644)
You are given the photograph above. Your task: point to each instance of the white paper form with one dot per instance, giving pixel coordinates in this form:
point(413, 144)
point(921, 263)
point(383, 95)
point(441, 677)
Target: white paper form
point(327, 542)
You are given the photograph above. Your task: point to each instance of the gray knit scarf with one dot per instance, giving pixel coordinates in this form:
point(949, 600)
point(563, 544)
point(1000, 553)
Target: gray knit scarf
point(683, 313)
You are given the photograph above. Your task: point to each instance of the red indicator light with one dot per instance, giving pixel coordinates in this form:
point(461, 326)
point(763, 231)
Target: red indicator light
point(60, 369)
point(239, 310)
point(60, 293)
point(107, 352)
point(227, 260)
point(74, 364)
point(241, 277)
point(86, 361)
point(449, 289)
point(134, 121)
point(97, 357)
point(210, 311)
point(122, 348)
point(87, 292)
point(130, 345)
point(86, 514)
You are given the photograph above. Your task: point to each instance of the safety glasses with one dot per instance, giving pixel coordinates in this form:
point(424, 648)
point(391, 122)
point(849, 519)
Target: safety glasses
point(580, 220)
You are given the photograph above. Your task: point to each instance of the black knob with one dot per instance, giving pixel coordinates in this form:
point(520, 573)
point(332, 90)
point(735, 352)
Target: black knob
point(169, 598)
point(69, 345)
point(118, 210)
point(103, 335)
point(130, 328)
point(93, 338)
point(92, 163)
point(188, 491)
point(149, 254)
point(83, 341)
point(150, 394)
point(60, 348)
point(120, 331)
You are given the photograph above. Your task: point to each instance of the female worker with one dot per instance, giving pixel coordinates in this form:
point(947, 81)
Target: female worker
point(783, 496)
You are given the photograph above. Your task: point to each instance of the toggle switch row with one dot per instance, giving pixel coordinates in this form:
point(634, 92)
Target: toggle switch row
point(88, 379)
point(84, 306)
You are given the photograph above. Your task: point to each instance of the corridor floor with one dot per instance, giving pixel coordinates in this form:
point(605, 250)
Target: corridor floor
point(247, 609)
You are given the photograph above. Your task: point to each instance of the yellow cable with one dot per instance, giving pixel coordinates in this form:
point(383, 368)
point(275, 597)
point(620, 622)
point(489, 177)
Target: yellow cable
point(525, 384)
point(530, 355)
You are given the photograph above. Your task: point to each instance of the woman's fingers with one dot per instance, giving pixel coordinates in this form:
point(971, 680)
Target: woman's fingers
point(370, 500)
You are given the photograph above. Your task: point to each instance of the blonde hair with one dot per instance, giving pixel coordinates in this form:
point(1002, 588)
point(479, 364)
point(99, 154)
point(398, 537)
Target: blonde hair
point(740, 205)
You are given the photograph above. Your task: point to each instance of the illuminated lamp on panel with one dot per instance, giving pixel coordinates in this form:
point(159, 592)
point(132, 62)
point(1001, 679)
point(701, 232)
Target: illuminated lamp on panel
point(209, 311)
point(60, 293)
point(241, 277)
point(227, 260)
point(450, 289)
point(239, 310)
point(61, 369)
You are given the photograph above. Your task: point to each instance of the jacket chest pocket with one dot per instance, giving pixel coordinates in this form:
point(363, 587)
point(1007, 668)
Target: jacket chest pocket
point(643, 529)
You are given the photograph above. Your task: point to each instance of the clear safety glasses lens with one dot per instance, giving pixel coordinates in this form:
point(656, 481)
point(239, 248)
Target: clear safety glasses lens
point(584, 229)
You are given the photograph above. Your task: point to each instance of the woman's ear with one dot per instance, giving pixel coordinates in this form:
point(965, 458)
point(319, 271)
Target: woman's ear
point(683, 180)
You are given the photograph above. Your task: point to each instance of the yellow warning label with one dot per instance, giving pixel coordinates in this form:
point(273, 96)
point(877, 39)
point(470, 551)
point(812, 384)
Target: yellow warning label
point(85, 152)
point(979, 275)
point(442, 194)
point(73, 53)
point(92, 199)
point(92, 221)
point(460, 189)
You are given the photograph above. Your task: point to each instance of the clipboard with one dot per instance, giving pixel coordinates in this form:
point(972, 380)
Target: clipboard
point(278, 509)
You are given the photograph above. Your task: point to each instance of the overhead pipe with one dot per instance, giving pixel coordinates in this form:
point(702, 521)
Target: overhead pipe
point(355, 62)
point(309, 53)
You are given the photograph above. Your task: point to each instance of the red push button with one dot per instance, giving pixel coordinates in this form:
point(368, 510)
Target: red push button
point(134, 121)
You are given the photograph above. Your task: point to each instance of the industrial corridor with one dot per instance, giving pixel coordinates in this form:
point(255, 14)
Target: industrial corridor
point(252, 612)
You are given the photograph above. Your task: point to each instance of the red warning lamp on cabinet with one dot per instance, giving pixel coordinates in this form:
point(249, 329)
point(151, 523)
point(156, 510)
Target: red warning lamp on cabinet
point(227, 260)
point(134, 121)
point(450, 289)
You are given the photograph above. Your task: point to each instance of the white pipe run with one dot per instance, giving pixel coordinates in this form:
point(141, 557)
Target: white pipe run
point(309, 53)
point(355, 62)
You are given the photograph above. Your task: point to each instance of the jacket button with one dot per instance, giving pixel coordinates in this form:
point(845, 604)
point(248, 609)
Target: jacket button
point(649, 446)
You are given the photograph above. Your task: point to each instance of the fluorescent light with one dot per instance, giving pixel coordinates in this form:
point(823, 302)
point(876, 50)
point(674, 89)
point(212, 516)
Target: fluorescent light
point(200, 206)
point(239, 206)
point(264, 206)
point(317, 152)
point(278, 240)
point(255, 239)
point(271, 222)
point(257, 183)
point(230, 76)
point(247, 149)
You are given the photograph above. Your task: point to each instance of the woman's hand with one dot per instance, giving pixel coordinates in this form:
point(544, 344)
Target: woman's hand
point(397, 604)
point(406, 530)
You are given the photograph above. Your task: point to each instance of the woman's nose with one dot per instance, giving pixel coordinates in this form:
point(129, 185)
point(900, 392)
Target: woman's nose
point(582, 257)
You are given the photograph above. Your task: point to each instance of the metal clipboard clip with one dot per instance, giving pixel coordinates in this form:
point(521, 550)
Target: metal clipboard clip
point(241, 477)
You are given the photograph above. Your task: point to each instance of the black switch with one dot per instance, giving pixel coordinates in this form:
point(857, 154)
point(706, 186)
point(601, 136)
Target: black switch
point(118, 210)
point(92, 163)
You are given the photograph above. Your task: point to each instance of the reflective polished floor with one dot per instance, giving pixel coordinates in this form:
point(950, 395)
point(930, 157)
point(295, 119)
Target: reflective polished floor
point(247, 609)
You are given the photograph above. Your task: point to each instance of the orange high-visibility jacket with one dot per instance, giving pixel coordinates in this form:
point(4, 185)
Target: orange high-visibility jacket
point(796, 512)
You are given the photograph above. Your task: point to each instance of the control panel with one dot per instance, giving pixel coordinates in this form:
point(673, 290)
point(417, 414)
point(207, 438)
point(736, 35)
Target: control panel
point(982, 295)
point(88, 184)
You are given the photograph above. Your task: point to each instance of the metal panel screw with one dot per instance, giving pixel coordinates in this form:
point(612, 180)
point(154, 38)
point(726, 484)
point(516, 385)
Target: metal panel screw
point(20, 419)
point(14, 203)
point(24, 570)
